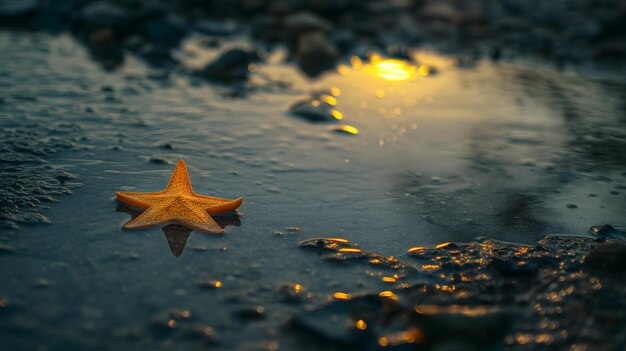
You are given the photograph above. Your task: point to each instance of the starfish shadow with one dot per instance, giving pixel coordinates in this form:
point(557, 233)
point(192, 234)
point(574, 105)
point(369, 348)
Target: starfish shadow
point(177, 234)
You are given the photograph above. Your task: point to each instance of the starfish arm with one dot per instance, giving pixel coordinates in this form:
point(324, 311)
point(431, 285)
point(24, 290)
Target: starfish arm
point(223, 205)
point(179, 182)
point(148, 218)
point(137, 199)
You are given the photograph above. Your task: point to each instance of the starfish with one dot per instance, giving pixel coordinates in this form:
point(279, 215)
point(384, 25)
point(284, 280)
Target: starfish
point(177, 204)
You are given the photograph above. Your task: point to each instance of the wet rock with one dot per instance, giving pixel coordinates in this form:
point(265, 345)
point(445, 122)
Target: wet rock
point(607, 231)
point(231, 66)
point(609, 256)
point(317, 108)
point(315, 52)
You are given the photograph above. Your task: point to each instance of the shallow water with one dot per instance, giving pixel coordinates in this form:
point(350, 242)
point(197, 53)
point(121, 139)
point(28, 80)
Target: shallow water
point(505, 151)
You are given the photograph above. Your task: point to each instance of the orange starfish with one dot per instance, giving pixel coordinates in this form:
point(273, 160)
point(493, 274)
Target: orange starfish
point(177, 204)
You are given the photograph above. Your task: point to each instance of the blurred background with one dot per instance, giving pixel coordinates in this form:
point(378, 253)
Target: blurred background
point(319, 32)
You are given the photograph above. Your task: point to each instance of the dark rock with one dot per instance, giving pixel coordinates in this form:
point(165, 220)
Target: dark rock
point(231, 66)
point(315, 109)
point(607, 231)
point(609, 256)
point(315, 52)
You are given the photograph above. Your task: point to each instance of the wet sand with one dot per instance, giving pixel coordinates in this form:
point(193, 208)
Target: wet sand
point(505, 151)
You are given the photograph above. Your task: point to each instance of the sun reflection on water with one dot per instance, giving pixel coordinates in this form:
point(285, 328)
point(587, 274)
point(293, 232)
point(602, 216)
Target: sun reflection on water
point(394, 70)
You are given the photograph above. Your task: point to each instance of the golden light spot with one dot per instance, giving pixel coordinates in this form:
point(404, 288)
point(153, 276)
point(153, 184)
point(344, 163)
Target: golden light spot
point(336, 114)
point(342, 296)
point(334, 91)
point(297, 288)
point(350, 249)
point(315, 103)
point(343, 69)
point(523, 338)
point(413, 335)
point(441, 246)
point(348, 129)
point(379, 93)
point(394, 70)
point(430, 267)
point(383, 341)
point(356, 62)
point(416, 248)
point(374, 261)
point(338, 240)
point(361, 325)
point(388, 294)
point(171, 323)
point(329, 100)
point(217, 284)
point(449, 288)
point(424, 70)
point(389, 279)
point(543, 338)
point(373, 57)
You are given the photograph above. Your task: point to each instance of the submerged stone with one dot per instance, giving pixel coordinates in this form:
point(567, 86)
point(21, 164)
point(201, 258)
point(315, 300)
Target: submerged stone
point(320, 107)
point(231, 66)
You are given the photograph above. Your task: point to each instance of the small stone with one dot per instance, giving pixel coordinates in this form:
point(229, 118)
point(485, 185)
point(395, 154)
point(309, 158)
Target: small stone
point(231, 66)
point(316, 52)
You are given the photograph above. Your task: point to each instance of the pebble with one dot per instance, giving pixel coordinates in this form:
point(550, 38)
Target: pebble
point(231, 66)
